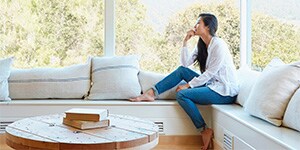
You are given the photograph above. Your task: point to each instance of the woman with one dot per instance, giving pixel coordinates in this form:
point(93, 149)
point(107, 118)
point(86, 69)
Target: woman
point(217, 83)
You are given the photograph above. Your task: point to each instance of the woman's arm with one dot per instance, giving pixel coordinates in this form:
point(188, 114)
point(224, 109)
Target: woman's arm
point(213, 65)
point(185, 58)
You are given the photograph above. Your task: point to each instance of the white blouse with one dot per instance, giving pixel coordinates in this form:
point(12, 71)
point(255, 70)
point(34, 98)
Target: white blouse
point(220, 74)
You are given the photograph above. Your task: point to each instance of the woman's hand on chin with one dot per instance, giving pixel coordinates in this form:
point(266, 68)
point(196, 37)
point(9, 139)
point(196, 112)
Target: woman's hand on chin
point(188, 36)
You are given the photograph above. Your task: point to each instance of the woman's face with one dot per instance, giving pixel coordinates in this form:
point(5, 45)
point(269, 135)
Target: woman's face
point(200, 28)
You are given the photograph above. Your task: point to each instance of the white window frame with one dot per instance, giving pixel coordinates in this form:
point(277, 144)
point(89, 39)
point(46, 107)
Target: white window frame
point(245, 30)
point(109, 28)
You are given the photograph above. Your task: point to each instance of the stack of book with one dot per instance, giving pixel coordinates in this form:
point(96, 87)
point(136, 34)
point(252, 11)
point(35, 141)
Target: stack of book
point(83, 118)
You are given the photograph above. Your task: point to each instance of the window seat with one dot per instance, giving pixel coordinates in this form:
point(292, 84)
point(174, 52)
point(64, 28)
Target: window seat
point(249, 132)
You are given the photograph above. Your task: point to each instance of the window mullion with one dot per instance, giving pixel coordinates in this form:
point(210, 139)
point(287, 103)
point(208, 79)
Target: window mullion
point(109, 28)
point(245, 39)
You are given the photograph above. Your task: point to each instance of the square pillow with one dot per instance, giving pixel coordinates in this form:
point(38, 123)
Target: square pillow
point(247, 78)
point(149, 79)
point(272, 91)
point(291, 117)
point(274, 63)
point(5, 65)
point(115, 77)
point(43, 83)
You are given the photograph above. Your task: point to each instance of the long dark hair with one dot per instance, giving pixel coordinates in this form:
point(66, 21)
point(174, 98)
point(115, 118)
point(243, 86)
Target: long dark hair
point(211, 21)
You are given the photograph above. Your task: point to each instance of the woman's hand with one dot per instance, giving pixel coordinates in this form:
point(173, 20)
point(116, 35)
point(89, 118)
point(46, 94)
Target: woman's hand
point(188, 36)
point(182, 87)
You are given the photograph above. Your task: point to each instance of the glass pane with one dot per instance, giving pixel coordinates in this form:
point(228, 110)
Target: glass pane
point(156, 29)
point(50, 33)
point(275, 31)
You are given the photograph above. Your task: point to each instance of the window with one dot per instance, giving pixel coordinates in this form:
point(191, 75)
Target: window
point(58, 33)
point(155, 29)
point(51, 33)
point(275, 31)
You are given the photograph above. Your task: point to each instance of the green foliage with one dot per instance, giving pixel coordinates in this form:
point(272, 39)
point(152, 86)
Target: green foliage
point(62, 33)
point(135, 36)
point(272, 38)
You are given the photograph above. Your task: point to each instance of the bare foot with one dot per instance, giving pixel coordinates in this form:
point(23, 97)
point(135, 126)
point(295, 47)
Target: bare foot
point(148, 96)
point(207, 135)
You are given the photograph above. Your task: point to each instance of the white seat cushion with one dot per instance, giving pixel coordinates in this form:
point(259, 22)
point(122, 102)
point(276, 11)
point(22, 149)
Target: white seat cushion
point(115, 77)
point(5, 65)
point(40, 83)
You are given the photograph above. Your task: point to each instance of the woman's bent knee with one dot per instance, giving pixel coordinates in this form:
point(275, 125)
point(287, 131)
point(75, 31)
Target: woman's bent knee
point(181, 68)
point(179, 96)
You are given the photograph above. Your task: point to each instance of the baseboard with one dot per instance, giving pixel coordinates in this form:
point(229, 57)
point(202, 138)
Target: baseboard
point(217, 146)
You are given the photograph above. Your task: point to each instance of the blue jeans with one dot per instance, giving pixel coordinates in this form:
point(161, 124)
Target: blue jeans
point(188, 98)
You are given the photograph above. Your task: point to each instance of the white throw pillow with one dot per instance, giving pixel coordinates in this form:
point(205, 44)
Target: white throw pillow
point(291, 117)
point(272, 91)
point(247, 78)
point(115, 77)
point(42, 83)
point(5, 65)
point(149, 79)
point(274, 63)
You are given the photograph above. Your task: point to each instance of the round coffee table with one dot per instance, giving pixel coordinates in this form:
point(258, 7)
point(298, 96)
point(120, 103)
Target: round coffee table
point(48, 132)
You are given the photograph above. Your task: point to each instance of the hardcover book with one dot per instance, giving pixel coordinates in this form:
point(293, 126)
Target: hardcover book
point(86, 114)
point(86, 124)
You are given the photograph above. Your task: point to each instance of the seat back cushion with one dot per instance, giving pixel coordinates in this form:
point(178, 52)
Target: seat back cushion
point(149, 79)
point(291, 117)
point(5, 65)
point(272, 91)
point(247, 78)
point(43, 83)
point(115, 77)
